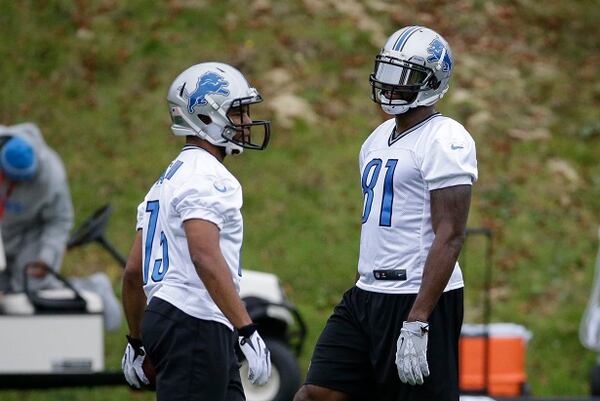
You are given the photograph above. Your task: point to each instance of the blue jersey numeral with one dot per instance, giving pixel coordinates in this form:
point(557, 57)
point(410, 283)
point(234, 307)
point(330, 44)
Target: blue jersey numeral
point(158, 273)
point(375, 165)
point(368, 184)
point(170, 171)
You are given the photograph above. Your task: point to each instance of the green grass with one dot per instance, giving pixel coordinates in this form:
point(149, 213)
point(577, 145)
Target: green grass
point(94, 75)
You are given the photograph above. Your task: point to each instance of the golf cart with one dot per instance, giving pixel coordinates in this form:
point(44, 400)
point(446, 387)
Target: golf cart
point(71, 351)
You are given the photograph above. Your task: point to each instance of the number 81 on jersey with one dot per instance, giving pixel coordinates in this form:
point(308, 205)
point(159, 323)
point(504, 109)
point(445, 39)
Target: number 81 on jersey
point(372, 170)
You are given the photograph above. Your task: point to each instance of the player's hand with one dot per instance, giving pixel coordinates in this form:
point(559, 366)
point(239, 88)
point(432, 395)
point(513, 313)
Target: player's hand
point(132, 363)
point(37, 269)
point(411, 352)
point(256, 353)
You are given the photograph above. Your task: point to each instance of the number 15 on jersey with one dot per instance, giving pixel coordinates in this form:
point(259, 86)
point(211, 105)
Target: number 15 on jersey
point(161, 265)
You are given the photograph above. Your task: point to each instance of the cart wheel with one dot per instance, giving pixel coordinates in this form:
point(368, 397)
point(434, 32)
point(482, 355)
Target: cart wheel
point(595, 380)
point(285, 376)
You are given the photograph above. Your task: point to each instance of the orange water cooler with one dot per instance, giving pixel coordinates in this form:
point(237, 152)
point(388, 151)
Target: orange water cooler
point(492, 359)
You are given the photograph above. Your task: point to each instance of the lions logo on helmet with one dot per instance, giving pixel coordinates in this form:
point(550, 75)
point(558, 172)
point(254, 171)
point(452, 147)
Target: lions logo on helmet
point(211, 82)
point(438, 53)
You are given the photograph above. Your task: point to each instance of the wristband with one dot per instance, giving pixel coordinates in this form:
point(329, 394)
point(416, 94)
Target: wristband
point(248, 330)
point(135, 342)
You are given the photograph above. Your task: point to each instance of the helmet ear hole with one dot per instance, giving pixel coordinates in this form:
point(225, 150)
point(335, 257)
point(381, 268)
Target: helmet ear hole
point(433, 83)
point(205, 119)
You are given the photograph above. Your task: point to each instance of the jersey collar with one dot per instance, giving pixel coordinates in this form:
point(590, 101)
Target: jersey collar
point(395, 136)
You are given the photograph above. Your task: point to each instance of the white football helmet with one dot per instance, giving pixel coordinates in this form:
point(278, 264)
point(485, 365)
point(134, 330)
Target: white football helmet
point(413, 69)
point(200, 99)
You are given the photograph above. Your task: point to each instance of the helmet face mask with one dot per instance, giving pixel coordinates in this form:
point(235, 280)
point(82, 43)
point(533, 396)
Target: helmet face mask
point(204, 98)
point(240, 131)
point(413, 69)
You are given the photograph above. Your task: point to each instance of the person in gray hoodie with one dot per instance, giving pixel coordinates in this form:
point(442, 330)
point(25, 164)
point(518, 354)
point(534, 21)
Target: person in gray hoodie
point(36, 216)
point(36, 211)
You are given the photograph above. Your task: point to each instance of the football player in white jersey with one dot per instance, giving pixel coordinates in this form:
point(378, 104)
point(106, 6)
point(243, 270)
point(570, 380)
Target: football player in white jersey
point(181, 283)
point(394, 336)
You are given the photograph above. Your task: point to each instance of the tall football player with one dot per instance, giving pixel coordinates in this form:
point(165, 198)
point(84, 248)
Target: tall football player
point(394, 336)
point(185, 260)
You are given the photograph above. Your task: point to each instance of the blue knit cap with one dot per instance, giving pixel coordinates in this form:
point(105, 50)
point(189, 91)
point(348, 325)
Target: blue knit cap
point(17, 160)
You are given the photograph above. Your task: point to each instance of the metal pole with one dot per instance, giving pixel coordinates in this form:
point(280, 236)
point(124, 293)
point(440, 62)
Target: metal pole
point(112, 250)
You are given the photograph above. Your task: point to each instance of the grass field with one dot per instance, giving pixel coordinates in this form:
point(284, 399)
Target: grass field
point(94, 75)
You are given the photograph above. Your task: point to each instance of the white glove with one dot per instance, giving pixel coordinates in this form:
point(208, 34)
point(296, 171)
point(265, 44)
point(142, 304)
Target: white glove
point(256, 353)
point(411, 352)
point(132, 363)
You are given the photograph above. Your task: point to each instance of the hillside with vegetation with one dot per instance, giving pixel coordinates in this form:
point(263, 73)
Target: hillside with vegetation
point(94, 74)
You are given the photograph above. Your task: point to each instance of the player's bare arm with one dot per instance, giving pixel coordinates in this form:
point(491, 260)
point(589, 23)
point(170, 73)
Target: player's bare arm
point(134, 303)
point(449, 212)
point(203, 243)
point(134, 299)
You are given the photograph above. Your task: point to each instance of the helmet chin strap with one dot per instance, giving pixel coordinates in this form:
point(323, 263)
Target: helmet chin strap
point(232, 149)
point(395, 109)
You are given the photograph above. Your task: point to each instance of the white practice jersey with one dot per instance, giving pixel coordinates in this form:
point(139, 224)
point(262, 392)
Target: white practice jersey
point(397, 172)
point(195, 186)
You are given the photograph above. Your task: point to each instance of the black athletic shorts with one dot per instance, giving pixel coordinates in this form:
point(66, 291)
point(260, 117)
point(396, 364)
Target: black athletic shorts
point(356, 351)
point(195, 359)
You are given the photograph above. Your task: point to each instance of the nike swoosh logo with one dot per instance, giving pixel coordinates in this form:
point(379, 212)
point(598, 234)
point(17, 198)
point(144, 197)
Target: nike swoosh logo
point(454, 147)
